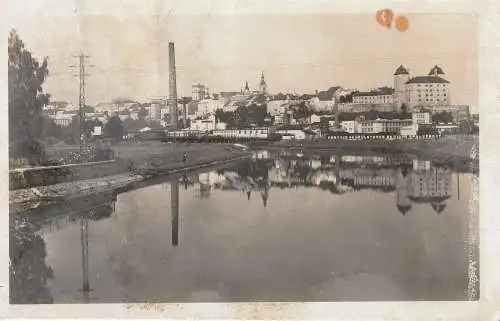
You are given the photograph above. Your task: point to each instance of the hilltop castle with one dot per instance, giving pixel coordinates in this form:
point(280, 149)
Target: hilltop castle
point(420, 91)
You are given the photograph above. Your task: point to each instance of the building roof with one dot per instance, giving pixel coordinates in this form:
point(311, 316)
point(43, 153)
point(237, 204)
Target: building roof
point(427, 80)
point(378, 92)
point(401, 71)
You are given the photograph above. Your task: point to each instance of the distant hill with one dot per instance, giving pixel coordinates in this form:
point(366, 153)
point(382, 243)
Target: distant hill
point(122, 101)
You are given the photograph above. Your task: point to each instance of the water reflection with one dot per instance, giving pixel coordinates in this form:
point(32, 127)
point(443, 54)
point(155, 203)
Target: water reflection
point(28, 270)
point(412, 181)
point(269, 186)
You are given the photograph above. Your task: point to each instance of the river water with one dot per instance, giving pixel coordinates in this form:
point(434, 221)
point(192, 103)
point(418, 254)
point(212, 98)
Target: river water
point(278, 227)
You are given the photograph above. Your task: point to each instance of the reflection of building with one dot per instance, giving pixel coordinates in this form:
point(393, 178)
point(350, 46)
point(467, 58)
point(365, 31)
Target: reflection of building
point(403, 202)
point(430, 186)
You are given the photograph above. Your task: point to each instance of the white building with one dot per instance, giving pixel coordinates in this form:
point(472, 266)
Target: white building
point(364, 126)
point(277, 107)
point(292, 133)
point(349, 126)
point(379, 96)
point(321, 105)
point(421, 118)
point(205, 124)
point(313, 119)
point(208, 107)
point(254, 132)
point(410, 130)
point(154, 111)
point(361, 108)
point(199, 92)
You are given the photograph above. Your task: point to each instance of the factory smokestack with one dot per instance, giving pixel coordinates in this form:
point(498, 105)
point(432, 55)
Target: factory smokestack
point(172, 86)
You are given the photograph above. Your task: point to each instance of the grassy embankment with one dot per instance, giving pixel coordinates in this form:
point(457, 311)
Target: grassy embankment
point(133, 163)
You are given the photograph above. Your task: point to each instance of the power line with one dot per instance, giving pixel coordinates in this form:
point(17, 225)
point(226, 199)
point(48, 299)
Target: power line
point(82, 64)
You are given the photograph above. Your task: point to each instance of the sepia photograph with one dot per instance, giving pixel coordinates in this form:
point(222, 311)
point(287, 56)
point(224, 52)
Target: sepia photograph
point(202, 158)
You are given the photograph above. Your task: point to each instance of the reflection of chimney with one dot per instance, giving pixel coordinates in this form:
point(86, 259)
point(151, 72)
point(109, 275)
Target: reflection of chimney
point(174, 197)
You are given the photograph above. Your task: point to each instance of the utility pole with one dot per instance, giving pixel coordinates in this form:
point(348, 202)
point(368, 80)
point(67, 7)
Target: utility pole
point(81, 100)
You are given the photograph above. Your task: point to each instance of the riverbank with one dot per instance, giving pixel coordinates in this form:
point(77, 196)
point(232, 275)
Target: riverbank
point(463, 147)
point(137, 163)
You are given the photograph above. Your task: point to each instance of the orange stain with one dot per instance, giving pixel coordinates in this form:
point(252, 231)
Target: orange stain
point(384, 17)
point(401, 23)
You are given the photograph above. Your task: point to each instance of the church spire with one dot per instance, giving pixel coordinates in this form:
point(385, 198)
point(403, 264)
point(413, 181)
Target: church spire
point(247, 89)
point(263, 85)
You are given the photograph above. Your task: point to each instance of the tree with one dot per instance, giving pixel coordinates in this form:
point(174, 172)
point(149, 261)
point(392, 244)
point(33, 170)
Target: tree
point(88, 109)
point(26, 98)
point(372, 114)
point(72, 134)
point(404, 109)
point(114, 128)
point(50, 128)
point(442, 117)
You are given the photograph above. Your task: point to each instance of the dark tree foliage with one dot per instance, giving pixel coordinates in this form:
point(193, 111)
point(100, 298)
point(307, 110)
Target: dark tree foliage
point(301, 110)
point(26, 99)
point(143, 113)
point(72, 133)
point(249, 115)
point(114, 128)
point(50, 128)
point(442, 117)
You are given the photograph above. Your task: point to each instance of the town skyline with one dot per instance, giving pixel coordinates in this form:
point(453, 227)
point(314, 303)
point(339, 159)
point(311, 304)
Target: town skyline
point(223, 52)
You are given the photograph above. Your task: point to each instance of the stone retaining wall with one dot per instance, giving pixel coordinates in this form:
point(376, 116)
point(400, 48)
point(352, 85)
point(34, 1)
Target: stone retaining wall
point(42, 176)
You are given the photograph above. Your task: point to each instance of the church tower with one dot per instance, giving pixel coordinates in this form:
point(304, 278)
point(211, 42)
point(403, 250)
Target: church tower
point(401, 76)
point(247, 89)
point(263, 85)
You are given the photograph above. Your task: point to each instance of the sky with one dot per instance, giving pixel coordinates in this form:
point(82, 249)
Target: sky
point(297, 53)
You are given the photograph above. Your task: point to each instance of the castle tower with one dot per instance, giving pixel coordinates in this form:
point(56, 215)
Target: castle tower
point(436, 71)
point(403, 203)
point(401, 96)
point(263, 85)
